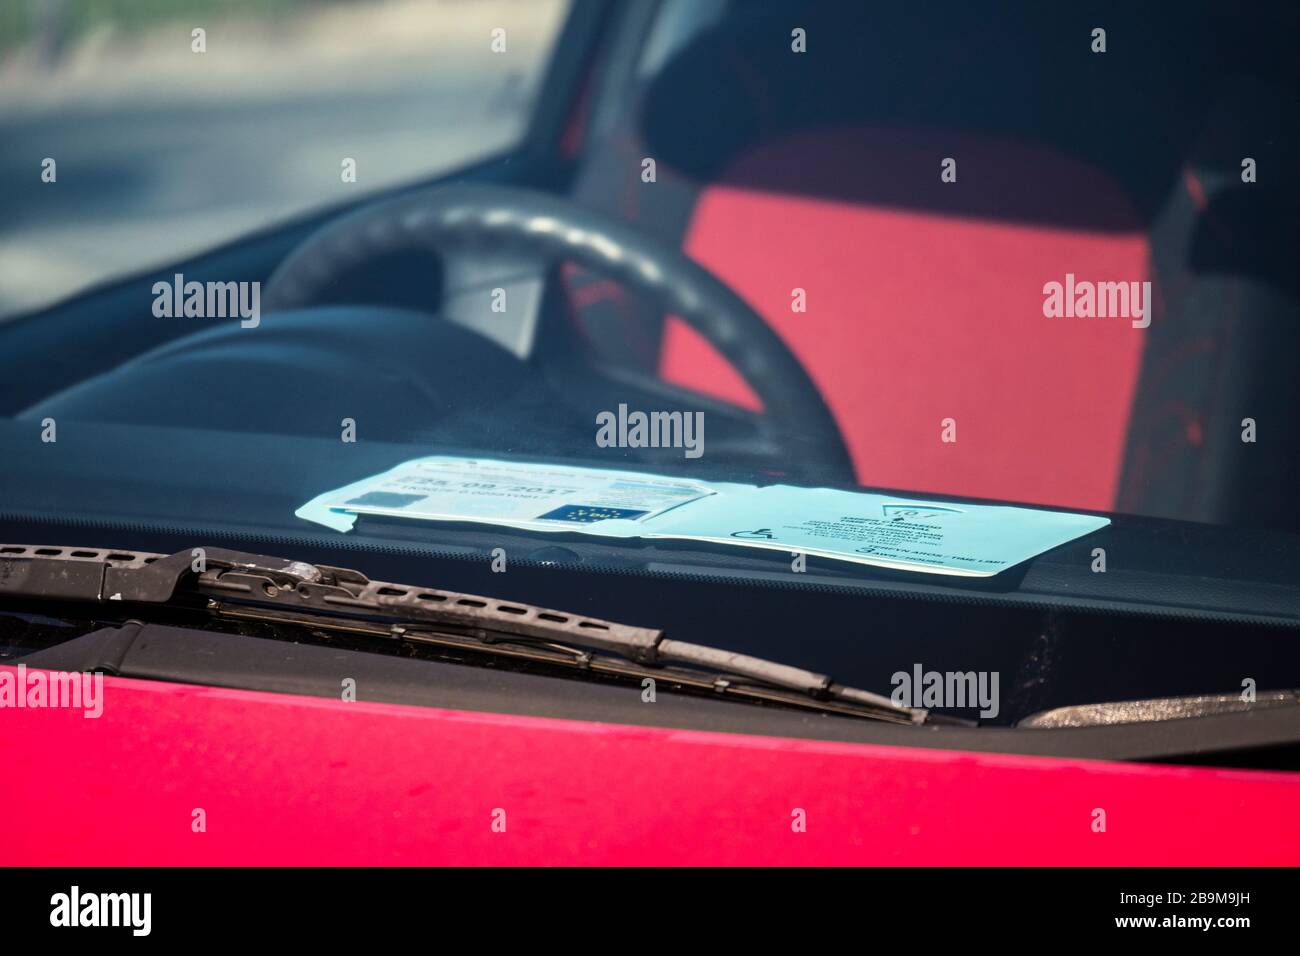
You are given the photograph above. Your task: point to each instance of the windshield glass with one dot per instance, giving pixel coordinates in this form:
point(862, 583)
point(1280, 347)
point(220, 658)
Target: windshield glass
point(948, 358)
point(140, 131)
point(1007, 258)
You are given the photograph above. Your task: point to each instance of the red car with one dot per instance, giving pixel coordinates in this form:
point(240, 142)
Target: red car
point(998, 270)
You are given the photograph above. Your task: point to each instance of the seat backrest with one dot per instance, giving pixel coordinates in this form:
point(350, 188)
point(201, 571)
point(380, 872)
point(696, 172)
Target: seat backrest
point(926, 331)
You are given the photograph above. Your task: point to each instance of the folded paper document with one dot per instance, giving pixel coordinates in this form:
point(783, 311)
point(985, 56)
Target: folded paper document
point(937, 537)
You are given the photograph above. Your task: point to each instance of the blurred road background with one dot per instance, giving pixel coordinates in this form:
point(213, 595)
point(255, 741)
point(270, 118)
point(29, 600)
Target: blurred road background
point(163, 152)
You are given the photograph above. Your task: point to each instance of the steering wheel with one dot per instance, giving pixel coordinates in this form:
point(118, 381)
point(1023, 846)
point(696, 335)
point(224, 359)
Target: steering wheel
point(545, 230)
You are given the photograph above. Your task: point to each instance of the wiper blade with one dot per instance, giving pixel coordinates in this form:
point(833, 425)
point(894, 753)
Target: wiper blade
point(238, 584)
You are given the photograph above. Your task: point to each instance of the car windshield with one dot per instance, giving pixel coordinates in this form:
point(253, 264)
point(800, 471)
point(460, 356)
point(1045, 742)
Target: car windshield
point(260, 253)
point(160, 128)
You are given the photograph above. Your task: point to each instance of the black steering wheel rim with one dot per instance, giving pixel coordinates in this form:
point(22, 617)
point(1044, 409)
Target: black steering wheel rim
point(456, 218)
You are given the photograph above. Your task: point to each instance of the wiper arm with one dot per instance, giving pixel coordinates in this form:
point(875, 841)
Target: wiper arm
point(238, 584)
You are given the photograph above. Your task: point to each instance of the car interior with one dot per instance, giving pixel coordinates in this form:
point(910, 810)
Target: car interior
point(821, 171)
point(779, 172)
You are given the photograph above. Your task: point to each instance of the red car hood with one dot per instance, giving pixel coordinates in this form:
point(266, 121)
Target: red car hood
point(300, 780)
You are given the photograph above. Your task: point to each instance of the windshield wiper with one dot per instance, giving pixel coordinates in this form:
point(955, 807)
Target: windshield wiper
point(234, 584)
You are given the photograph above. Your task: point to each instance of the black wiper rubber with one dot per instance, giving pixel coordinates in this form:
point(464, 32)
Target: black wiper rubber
point(322, 592)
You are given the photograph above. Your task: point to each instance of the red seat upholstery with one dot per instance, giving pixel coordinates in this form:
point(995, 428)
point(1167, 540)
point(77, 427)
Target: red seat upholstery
point(914, 316)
